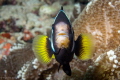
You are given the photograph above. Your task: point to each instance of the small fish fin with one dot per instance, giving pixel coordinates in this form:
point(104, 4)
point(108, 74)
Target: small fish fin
point(84, 46)
point(67, 69)
point(61, 8)
point(41, 48)
point(57, 52)
point(59, 67)
point(53, 56)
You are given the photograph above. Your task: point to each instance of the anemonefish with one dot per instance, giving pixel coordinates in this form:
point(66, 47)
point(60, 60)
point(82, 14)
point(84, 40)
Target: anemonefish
point(61, 44)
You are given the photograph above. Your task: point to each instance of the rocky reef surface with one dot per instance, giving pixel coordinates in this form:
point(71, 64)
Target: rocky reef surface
point(101, 19)
point(22, 20)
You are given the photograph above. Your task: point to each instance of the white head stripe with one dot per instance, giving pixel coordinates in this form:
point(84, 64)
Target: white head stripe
point(52, 41)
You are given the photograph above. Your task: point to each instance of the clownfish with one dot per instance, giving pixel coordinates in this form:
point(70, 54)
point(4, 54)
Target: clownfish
point(61, 44)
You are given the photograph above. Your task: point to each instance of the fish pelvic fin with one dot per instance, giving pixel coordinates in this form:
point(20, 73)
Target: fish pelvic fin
point(66, 68)
point(59, 67)
point(41, 48)
point(84, 46)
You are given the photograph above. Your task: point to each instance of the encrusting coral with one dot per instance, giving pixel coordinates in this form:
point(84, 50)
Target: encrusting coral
point(100, 19)
point(106, 67)
point(25, 66)
point(29, 18)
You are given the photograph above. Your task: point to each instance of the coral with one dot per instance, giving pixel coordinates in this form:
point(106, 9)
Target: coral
point(6, 35)
point(47, 10)
point(52, 10)
point(33, 15)
point(106, 67)
point(76, 10)
point(29, 68)
point(27, 37)
point(14, 62)
point(33, 20)
point(8, 2)
point(19, 11)
point(6, 42)
point(49, 1)
point(100, 19)
point(9, 25)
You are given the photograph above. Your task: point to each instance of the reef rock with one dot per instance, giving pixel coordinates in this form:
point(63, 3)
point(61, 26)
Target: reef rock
point(100, 18)
point(21, 64)
point(106, 67)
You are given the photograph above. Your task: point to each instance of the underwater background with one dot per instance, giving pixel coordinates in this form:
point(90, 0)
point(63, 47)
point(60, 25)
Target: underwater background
point(22, 20)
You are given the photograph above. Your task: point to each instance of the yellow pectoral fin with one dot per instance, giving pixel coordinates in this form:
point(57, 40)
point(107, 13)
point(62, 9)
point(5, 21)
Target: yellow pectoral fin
point(84, 47)
point(40, 48)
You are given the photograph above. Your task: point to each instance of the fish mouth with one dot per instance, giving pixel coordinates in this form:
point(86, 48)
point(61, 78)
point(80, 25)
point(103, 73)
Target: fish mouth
point(62, 34)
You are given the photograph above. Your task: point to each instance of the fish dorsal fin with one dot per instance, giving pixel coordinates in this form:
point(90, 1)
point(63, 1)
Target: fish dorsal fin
point(84, 46)
point(62, 17)
point(61, 7)
point(41, 49)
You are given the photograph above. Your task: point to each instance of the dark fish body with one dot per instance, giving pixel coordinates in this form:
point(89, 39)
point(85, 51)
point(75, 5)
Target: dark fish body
point(61, 44)
point(62, 40)
point(63, 52)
